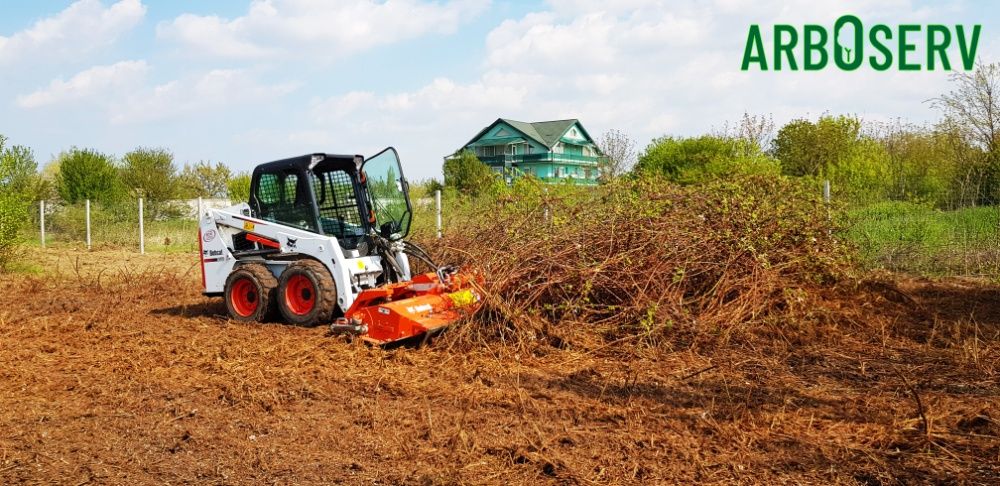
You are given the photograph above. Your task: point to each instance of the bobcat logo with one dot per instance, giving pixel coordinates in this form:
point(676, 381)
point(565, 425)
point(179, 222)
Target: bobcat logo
point(291, 243)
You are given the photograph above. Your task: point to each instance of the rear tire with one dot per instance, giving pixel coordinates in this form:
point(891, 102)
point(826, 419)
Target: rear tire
point(307, 294)
point(249, 293)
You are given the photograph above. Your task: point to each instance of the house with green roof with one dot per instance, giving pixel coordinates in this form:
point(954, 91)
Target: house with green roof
point(552, 151)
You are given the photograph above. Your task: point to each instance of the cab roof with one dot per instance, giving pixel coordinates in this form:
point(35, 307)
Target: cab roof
point(302, 162)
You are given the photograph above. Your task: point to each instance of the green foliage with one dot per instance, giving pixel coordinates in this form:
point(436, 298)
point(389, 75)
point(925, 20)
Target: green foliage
point(150, 173)
point(704, 158)
point(467, 174)
point(834, 148)
point(13, 215)
point(87, 174)
point(810, 149)
point(204, 180)
point(19, 185)
point(238, 187)
point(914, 237)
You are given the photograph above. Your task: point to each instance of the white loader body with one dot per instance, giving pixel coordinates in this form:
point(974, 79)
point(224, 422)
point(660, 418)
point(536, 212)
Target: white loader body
point(352, 273)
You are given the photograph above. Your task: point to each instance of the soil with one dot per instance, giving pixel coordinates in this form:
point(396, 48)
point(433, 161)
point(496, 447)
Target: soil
point(131, 376)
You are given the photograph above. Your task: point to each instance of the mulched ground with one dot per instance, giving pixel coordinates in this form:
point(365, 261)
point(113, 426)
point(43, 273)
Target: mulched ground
point(127, 377)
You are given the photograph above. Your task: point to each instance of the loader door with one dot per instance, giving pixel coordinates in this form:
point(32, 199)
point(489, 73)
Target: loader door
point(389, 194)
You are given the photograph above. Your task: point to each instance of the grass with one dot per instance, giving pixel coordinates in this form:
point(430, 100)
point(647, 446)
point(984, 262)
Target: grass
point(914, 238)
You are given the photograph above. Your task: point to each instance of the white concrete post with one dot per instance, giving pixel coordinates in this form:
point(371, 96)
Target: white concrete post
point(88, 224)
point(41, 216)
point(826, 191)
point(200, 210)
point(545, 215)
point(437, 202)
point(142, 231)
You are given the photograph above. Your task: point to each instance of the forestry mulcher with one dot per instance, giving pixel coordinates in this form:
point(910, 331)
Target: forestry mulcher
point(322, 240)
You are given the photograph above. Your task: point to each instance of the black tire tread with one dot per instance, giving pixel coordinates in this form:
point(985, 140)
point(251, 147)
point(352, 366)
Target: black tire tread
point(326, 298)
point(267, 286)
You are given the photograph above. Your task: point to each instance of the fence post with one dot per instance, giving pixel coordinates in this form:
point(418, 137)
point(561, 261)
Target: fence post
point(437, 202)
point(142, 232)
point(41, 216)
point(88, 224)
point(545, 202)
point(200, 209)
point(826, 191)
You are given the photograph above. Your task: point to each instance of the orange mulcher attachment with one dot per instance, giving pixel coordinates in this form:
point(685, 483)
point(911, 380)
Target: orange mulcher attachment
point(407, 309)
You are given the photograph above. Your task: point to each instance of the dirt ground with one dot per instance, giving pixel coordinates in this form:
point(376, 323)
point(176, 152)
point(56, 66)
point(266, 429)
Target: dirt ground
point(114, 369)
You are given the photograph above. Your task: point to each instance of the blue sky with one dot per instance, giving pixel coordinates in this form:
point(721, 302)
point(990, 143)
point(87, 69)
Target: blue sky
point(245, 82)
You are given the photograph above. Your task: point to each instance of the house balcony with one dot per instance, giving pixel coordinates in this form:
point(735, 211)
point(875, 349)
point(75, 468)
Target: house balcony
point(546, 157)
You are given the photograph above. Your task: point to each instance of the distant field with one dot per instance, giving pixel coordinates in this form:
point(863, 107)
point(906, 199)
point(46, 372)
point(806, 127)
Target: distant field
point(917, 239)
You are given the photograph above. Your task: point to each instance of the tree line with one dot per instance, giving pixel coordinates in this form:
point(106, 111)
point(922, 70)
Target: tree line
point(950, 164)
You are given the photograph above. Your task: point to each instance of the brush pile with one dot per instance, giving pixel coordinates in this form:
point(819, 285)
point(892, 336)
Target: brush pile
point(647, 258)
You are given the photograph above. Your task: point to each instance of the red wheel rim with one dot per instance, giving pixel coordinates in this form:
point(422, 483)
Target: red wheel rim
point(300, 295)
point(244, 297)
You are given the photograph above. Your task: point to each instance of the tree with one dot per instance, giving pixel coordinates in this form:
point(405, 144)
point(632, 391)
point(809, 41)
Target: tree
point(807, 148)
point(150, 174)
point(974, 105)
point(86, 174)
point(18, 186)
point(467, 174)
point(698, 159)
point(972, 109)
point(205, 180)
point(619, 153)
point(238, 187)
point(753, 132)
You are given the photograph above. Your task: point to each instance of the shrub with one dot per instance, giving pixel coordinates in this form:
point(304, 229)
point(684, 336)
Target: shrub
point(13, 216)
point(88, 174)
point(700, 159)
point(238, 188)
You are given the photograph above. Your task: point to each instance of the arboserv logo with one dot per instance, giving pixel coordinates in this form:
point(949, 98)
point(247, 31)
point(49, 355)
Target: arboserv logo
point(852, 48)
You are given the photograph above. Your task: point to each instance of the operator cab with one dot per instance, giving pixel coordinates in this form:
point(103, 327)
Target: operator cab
point(344, 196)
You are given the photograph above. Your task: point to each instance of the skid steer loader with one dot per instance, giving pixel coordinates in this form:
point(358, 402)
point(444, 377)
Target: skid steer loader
point(321, 240)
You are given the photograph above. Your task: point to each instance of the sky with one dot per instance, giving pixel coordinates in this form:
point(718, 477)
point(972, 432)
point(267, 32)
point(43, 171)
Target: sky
point(246, 82)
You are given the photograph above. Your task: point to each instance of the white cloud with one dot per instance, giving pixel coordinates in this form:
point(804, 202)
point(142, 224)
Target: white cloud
point(315, 28)
point(202, 94)
point(122, 92)
point(82, 27)
point(646, 67)
point(89, 84)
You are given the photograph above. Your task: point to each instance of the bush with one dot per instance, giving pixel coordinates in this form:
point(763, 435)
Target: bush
point(238, 188)
point(13, 216)
point(648, 258)
point(700, 159)
point(88, 174)
point(467, 174)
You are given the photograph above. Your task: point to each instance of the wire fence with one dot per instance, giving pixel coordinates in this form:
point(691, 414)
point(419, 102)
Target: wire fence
point(902, 236)
point(131, 225)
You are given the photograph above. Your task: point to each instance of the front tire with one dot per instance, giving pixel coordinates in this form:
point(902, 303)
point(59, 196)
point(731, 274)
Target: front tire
point(249, 293)
point(307, 294)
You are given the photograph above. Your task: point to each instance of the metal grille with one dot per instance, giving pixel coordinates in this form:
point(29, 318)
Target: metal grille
point(281, 202)
point(339, 211)
point(240, 242)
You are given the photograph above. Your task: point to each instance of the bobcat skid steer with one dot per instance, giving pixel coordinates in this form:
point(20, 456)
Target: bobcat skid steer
point(321, 240)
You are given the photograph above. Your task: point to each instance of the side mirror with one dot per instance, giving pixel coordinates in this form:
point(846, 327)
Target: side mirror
point(389, 228)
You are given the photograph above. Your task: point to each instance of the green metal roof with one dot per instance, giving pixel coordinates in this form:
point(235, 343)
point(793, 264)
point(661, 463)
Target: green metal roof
point(547, 133)
point(495, 141)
